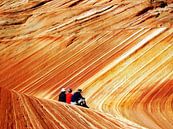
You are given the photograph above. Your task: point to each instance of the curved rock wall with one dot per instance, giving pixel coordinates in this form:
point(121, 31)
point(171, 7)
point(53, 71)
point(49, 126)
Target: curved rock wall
point(119, 52)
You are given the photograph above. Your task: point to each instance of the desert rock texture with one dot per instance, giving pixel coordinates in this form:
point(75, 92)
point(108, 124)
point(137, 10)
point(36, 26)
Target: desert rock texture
point(120, 52)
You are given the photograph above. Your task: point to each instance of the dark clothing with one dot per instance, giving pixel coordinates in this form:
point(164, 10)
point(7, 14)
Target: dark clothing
point(62, 97)
point(79, 99)
point(76, 96)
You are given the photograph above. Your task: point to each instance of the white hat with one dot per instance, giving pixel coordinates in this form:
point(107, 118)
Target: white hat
point(63, 89)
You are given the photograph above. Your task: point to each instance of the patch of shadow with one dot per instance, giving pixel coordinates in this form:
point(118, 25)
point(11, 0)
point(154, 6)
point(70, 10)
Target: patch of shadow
point(28, 9)
point(39, 4)
point(17, 22)
point(71, 42)
point(163, 4)
point(160, 4)
point(144, 10)
point(157, 15)
point(75, 3)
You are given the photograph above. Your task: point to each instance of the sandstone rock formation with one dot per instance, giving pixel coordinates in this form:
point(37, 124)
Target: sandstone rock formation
point(120, 52)
point(23, 112)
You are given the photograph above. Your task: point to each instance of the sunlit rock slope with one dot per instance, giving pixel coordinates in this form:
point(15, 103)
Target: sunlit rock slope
point(19, 111)
point(120, 52)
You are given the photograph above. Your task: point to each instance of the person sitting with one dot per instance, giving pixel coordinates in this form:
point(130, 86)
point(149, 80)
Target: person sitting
point(76, 96)
point(62, 95)
point(69, 96)
point(78, 99)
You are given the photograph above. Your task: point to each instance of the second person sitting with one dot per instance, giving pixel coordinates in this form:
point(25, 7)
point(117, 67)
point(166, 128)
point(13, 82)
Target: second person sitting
point(69, 96)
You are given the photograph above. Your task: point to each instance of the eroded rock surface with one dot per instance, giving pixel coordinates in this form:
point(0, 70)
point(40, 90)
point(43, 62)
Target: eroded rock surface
point(120, 52)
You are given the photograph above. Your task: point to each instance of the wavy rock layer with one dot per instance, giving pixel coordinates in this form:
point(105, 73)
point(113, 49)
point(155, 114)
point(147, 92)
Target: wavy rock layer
point(19, 111)
point(119, 52)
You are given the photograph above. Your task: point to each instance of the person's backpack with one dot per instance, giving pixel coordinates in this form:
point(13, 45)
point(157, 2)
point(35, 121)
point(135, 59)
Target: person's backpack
point(81, 101)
